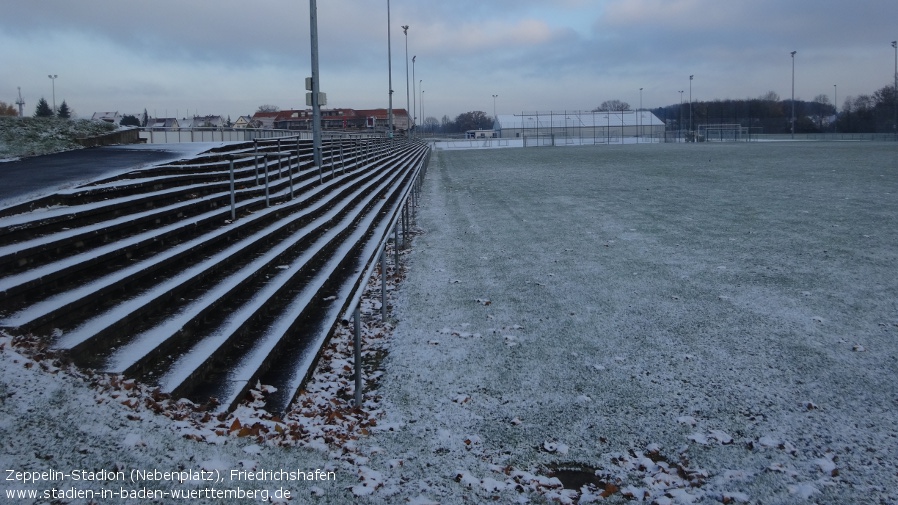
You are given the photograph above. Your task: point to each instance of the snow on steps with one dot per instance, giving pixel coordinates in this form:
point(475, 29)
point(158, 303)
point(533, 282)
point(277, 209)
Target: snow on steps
point(193, 302)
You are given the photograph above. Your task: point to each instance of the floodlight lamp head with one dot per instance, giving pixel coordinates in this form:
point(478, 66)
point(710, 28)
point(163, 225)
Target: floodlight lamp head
point(405, 29)
point(691, 76)
point(895, 43)
point(793, 53)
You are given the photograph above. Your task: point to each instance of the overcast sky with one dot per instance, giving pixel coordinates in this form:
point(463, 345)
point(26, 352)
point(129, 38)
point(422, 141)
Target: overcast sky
point(230, 56)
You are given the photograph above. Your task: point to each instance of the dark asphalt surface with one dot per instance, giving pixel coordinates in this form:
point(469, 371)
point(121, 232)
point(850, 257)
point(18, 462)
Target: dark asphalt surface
point(40, 175)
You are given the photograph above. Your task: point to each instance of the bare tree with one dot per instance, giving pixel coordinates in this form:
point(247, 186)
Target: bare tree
point(612, 105)
point(268, 108)
point(7, 110)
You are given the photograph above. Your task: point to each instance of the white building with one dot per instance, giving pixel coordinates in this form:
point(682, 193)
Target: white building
point(108, 117)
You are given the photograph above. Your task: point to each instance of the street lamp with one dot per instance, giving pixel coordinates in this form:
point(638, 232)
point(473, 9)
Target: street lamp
point(895, 94)
point(316, 88)
point(53, 79)
point(494, 108)
point(407, 101)
point(414, 94)
point(690, 102)
point(793, 93)
point(390, 78)
point(639, 117)
point(836, 108)
point(680, 119)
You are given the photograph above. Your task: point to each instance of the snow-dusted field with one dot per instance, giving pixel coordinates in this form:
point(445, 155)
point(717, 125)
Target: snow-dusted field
point(732, 308)
point(670, 323)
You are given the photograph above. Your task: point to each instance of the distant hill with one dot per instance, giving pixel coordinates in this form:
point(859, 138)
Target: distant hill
point(33, 136)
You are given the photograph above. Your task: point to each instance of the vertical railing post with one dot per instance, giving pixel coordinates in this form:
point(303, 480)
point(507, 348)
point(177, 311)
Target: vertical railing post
point(383, 284)
point(396, 249)
point(267, 201)
point(290, 175)
point(279, 159)
point(256, 158)
point(357, 347)
point(233, 204)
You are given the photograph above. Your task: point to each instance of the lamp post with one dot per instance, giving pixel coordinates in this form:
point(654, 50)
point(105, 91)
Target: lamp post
point(407, 101)
point(53, 79)
point(836, 108)
point(680, 119)
point(690, 104)
point(390, 78)
point(895, 95)
point(316, 88)
point(494, 108)
point(793, 94)
point(421, 101)
point(639, 117)
point(414, 94)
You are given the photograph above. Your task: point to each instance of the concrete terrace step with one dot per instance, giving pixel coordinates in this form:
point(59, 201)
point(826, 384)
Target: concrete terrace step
point(36, 252)
point(140, 190)
point(146, 277)
point(205, 235)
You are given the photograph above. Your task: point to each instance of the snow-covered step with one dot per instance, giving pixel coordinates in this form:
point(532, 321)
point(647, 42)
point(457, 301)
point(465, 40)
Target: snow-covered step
point(41, 312)
point(91, 334)
point(199, 289)
point(249, 199)
point(314, 304)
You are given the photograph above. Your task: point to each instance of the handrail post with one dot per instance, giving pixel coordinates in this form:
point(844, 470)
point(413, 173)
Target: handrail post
point(279, 159)
point(267, 201)
point(233, 205)
point(396, 249)
point(290, 176)
point(256, 158)
point(383, 284)
point(357, 347)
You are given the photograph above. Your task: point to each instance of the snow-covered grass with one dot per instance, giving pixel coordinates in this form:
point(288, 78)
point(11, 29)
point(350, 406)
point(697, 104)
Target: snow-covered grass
point(730, 309)
point(33, 136)
point(668, 323)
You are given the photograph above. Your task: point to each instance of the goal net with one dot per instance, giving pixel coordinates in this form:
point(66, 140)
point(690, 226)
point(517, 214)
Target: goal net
point(722, 133)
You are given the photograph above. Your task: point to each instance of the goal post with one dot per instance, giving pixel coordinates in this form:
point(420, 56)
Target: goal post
point(723, 132)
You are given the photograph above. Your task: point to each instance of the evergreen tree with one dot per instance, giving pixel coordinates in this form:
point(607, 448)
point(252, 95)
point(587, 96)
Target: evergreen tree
point(129, 120)
point(43, 109)
point(145, 119)
point(64, 112)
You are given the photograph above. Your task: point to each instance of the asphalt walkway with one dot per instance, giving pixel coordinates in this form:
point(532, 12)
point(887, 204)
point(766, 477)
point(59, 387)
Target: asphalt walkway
point(38, 175)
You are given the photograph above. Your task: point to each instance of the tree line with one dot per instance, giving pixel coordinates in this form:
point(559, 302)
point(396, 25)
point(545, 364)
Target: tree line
point(769, 114)
point(42, 109)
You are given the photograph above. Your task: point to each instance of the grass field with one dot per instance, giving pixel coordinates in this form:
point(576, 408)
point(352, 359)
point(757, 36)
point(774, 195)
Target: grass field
point(730, 308)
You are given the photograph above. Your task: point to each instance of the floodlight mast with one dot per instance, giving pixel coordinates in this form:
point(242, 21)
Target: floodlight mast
point(53, 79)
point(690, 106)
point(408, 102)
point(895, 94)
point(21, 103)
point(316, 107)
point(793, 94)
point(390, 72)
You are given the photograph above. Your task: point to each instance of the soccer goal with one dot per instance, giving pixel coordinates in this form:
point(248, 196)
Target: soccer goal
point(722, 133)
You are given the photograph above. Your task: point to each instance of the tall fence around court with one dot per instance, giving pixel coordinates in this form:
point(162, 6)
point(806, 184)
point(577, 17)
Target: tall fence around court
point(554, 128)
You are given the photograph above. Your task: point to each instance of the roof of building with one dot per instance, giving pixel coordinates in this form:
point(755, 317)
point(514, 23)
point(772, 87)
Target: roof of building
point(106, 116)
